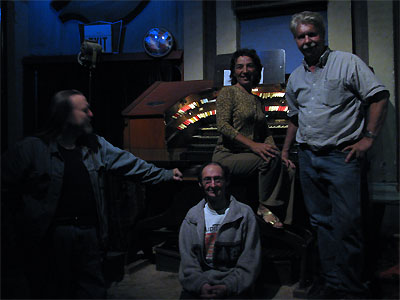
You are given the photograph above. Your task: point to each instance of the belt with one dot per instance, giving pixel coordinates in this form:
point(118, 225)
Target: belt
point(76, 221)
point(325, 149)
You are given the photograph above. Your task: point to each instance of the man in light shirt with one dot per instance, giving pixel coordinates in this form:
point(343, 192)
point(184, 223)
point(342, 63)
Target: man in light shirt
point(327, 96)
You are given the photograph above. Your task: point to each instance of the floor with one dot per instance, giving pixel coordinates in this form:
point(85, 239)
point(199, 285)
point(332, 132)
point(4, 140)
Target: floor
point(142, 280)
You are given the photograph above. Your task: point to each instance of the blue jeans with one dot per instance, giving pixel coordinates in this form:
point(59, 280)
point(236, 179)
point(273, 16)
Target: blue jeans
point(332, 195)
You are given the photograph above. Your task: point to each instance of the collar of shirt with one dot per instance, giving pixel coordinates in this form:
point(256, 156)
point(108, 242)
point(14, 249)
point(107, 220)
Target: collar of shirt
point(53, 146)
point(322, 60)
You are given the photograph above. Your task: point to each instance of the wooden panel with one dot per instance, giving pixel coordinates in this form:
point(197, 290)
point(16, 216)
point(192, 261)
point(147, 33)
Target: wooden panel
point(147, 133)
point(151, 155)
point(162, 95)
point(145, 138)
point(104, 58)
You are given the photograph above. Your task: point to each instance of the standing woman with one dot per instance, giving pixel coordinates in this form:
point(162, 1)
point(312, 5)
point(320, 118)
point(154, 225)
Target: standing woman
point(246, 145)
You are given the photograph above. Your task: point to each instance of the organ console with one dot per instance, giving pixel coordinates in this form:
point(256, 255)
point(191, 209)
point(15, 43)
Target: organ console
point(176, 121)
point(276, 110)
point(152, 120)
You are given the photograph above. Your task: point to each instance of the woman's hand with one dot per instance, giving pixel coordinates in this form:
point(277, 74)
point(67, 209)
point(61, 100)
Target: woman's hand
point(264, 150)
point(261, 149)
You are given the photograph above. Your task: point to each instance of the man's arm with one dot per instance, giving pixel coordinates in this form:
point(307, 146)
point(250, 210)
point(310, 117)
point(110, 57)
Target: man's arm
point(191, 274)
point(16, 161)
point(19, 173)
point(376, 117)
point(290, 137)
point(125, 163)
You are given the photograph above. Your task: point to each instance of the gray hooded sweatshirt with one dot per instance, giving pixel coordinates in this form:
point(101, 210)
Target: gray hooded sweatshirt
point(237, 250)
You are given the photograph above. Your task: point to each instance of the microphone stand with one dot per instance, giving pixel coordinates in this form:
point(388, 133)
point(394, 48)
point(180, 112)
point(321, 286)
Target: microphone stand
point(89, 57)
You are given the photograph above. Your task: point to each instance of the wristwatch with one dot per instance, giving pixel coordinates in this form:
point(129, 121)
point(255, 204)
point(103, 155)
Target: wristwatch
point(369, 134)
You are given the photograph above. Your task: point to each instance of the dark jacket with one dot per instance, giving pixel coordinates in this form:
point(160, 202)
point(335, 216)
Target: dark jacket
point(32, 178)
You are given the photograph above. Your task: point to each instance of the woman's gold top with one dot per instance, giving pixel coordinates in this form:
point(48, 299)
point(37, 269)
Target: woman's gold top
point(240, 112)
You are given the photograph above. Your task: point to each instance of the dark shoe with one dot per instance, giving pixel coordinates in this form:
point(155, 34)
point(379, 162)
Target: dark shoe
point(323, 292)
point(348, 295)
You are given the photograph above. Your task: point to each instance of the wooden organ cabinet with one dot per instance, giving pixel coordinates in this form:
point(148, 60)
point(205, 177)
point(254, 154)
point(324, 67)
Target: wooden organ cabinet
point(175, 121)
point(158, 121)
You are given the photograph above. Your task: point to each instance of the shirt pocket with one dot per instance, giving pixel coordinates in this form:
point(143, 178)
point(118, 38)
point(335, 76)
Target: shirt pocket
point(333, 92)
point(227, 254)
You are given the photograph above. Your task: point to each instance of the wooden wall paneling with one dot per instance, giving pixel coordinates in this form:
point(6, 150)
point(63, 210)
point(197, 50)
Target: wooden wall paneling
point(147, 138)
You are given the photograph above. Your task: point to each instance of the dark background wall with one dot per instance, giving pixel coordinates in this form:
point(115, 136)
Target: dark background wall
point(48, 35)
point(34, 28)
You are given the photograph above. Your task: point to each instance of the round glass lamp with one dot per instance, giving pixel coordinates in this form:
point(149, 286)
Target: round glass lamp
point(158, 42)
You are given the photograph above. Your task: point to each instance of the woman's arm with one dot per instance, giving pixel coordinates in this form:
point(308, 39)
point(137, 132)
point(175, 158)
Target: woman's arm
point(261, 149)
point(290, 137)
point(225, 110)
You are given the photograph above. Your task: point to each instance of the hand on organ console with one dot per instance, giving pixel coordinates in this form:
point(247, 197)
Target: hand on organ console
point(178, 176)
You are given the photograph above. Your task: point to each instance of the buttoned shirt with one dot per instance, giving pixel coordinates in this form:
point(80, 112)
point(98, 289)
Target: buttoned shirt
point(330, 101)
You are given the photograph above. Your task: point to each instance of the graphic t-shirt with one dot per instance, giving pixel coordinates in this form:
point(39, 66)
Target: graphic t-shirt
point(213, 221)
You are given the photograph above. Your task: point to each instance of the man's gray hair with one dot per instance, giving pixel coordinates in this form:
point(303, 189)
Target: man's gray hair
point(308, 17)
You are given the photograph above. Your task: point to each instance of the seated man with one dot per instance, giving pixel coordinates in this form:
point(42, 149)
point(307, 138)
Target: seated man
point(219, 242)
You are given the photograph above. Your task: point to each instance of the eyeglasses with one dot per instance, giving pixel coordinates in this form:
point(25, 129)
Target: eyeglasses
point(217, 179)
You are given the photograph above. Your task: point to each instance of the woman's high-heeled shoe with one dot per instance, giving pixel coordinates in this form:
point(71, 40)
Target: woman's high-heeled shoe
point(269, 217)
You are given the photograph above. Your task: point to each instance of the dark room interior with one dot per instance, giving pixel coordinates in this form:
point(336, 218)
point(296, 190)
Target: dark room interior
point(157, 99)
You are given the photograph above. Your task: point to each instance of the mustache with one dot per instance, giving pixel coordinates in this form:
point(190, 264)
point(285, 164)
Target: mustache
point(312, 44)
point(213, 189)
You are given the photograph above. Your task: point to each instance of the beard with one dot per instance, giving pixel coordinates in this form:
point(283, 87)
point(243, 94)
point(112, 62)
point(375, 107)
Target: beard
point(213, 200)
point(87, 128)
point(80, 129)
point(219, 201)
point(312, 52)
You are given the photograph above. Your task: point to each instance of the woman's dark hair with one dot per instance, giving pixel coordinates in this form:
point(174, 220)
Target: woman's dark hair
point(60, 110)
point(256, 60)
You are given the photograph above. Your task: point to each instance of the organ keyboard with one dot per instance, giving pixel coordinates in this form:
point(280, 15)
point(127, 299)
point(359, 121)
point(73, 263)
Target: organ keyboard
point(176, 121)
